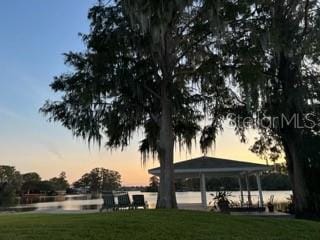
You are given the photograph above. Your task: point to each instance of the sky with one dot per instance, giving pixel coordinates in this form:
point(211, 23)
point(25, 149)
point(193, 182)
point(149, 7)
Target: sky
point(33, 36)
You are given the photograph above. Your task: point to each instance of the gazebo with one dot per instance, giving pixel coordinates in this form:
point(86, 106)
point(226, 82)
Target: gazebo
point(205, 167)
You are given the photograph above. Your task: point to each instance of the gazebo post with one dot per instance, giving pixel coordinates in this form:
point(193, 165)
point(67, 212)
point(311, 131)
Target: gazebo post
point(260, 189)
point(203, 190)
point(241, 191)
point(248, 190)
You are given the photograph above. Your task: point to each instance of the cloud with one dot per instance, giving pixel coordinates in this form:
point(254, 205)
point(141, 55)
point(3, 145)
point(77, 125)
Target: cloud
point(53, 149)
point(55, 152)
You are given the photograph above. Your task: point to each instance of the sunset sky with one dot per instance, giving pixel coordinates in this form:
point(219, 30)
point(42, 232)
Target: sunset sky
point(34, 34)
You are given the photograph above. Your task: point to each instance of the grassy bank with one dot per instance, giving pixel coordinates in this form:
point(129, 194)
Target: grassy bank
point(158, 225)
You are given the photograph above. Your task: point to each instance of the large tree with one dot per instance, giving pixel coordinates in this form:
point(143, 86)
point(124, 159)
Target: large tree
point(100, 179)
point(10, 183)
point(273, 47)
point(30, 181)
point(142, 69)
point(59, 183)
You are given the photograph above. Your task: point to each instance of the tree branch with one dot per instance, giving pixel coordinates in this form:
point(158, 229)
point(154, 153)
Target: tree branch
point(152, 92)
point(306, 10)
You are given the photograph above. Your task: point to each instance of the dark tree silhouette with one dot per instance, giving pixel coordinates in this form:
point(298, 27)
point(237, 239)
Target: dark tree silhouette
point(144, 67)
point(100, 179)
point(273, 47)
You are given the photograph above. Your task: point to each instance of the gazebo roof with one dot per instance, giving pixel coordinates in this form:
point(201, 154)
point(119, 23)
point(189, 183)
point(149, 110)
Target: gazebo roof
point(211, 166)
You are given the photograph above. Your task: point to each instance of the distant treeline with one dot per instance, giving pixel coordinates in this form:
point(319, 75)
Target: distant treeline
point(15, 185)
point(273, 181)
point(270, 181)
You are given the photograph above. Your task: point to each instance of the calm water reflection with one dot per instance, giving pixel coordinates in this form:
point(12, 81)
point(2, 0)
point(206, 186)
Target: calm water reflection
point(84, 202)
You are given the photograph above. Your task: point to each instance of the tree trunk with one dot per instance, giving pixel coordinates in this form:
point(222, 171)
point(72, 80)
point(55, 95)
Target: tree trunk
point(166, 194)
point(306, 199)
point(302, 158)
point(296, 175)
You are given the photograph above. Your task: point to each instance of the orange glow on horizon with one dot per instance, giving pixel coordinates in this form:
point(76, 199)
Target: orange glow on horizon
point(76, 159)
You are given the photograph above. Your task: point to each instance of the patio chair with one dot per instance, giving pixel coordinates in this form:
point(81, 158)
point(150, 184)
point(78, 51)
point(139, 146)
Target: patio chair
point(138, 201)
point(124, 201)
point(108, 203)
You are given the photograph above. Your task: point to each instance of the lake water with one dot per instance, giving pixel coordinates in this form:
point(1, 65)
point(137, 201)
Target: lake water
point(84, 202)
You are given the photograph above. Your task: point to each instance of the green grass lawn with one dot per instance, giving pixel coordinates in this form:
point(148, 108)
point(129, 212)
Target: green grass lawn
point(153, 224)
